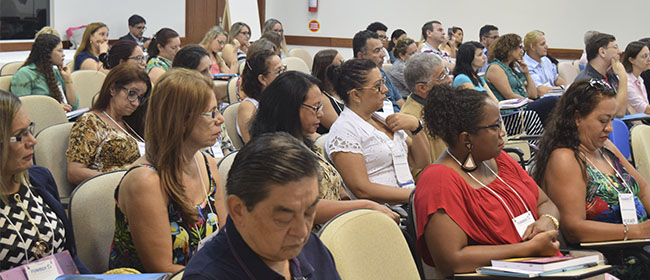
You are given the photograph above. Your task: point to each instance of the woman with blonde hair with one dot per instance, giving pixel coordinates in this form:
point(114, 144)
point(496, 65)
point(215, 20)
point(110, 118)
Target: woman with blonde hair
point(275, 26)
point(174, 185)
point(213, 42)
point(93, 44)
point(238, 42)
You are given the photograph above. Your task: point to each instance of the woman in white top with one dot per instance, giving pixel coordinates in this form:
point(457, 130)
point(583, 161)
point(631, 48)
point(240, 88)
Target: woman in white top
point(373, 152)
point(636, 59)
point(260, 70)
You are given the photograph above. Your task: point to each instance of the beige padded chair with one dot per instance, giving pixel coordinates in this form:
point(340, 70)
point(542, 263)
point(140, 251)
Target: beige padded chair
point(11, 68)
point(576, 65)
point(241, 67)
point(232, 90)
point(386, 67)
point(640, 140)
point(70, 65)
point(302, 54)
point(320, 142)
point(50, 151)
point(367, 244)
point(87, 83)
point(224, 167)
point(567, 71)
point(92, 213)
point(296, 64)
point(5, 83)
point(43, 111)
point(230, 115)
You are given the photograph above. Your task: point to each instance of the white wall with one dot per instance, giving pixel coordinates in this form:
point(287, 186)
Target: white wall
point(115, 14)
point(563, 21)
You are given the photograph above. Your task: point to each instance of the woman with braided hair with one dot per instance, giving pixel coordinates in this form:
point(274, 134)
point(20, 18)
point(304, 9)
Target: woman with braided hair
point(44, 73)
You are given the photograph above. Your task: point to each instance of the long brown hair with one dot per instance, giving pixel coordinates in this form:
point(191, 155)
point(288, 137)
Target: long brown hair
point(41, 56)
point(9, 106)
point(179, 98)
point(85, 40)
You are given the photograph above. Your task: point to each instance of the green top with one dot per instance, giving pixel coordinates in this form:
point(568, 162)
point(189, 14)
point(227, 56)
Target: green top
point(516, 80)
point(29, 81)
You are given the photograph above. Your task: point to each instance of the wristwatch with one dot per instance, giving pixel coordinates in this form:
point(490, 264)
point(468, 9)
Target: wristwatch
point(420, 127)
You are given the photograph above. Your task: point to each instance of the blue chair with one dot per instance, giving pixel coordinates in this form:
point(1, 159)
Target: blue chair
point(620, 136)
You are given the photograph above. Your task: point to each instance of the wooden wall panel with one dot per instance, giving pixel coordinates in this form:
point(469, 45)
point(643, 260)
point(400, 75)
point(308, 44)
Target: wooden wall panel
point(200, 16)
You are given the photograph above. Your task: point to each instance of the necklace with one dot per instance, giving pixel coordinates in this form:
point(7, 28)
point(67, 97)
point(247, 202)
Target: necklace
point(123, 130)
point(207, 200)
point(618, 175)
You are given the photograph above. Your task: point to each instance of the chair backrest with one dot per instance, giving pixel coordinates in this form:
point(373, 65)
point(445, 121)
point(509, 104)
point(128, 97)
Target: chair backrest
point(567, 71)
point(576, 65)
point(426, 271)
point(87, 83)
point(620, 136)
point(241, 67)
point(70, 65)
point(641, 149)
point(386, 67)
point(224, 167)
point(43, 111)
point(302, 54)
point(230, 116)
point(50, 151)
point(92, 213)
point(296, 64)
point(5, 83)
point(367, 244)
point(232, 90)
point(320, 142)
point(11, 68)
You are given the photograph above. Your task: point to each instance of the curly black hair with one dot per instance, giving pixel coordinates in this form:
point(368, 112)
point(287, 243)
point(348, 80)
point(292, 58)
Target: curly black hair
point(450, 111)
point(41, 56)
point(581, 98)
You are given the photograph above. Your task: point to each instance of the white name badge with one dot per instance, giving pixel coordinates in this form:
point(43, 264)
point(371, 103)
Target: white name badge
point(628, 210)
point(387, 109)
point(522, 222)
point(42, 270)
point(400, 162)
point(216, 149)
point(64, 100)
point(141, 147)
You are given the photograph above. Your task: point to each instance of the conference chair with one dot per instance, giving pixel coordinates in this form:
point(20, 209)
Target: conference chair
point(5, 83)
point(620, 136)
point(92, 213)
point(320, 142)
point(87, 83)
point(230, 116)
point(49, 152)
point(232, 90)
point(296, 64)
point(43, 111)
point(567, 71)
point(426, 271)
point(367, 244)
point(302, 54)
point(224, 167)
point(641, 149)
point(11, 68)
point(241, 67)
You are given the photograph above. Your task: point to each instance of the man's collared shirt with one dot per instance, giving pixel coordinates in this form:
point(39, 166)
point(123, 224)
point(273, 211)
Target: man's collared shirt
point(484, 68)
point(227, 256)
point(393, 94)
point(591, 73)
point(544, 73)
point(440, 53)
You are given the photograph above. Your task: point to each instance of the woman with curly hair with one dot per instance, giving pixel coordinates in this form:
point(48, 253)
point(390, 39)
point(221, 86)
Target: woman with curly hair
point(38, 76)
point(467, 200)
point(586, 175)
point(94, 44)
point(403, 50)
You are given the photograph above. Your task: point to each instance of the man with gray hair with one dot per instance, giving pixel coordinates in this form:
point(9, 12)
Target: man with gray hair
point(583, 59)
point(421, 73)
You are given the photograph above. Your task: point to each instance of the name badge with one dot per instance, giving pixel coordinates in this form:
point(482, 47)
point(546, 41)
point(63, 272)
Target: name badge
point(387, 109)
point(212, 219)
point(141, 147)
point(42, 270)
point(64, 100)
point(402, 171)
point(522, 222)
point(628, 209)
point(216, 149)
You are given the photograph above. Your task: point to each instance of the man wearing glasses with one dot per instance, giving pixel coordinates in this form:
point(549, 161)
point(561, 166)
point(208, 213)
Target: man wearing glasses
point(422, 72)
point(381, 30)
point(487, 34)
point(604, 57)
point(136, 31)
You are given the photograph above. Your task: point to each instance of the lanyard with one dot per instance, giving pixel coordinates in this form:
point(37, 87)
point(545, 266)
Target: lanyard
point(139, 139)
point(607, 177)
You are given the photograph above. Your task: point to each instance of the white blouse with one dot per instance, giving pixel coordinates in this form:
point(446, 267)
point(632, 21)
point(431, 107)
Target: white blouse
point(251, 100)
point(350, 133)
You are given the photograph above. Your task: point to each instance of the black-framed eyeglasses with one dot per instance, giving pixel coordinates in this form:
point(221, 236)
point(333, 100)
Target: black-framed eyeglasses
point(377, 87)
point(246, 33)
point(444, 75)
point(597, 84)
point(496, 126)
point(132, 96)
point(221, 43)
point(21, 136)
point(139, 58)
point(317, 109)
point(143, 28)
point(212, 114)
point(279, 70)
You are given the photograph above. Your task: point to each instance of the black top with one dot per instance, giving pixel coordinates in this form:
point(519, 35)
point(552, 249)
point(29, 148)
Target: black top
point(338, 107)
point(591, 73)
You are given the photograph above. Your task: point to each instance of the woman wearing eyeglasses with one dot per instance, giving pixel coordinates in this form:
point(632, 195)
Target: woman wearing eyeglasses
point(162, 49)
point(124, 51)
point(214, 41)
point(34, 221)
point(238, 42)
point(292, 103)
point(588, 177)
point(109, 136)
point(373, 152)
point(636, 59)
point(275, 26)
point(260, 70)
point(468, 200)
point(174, 185)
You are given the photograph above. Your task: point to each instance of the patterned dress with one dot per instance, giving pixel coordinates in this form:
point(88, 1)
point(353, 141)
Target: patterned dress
point(185, 237)
point(159, 62)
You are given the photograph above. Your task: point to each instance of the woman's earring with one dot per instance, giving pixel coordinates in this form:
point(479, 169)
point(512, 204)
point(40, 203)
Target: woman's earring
point(468, 164)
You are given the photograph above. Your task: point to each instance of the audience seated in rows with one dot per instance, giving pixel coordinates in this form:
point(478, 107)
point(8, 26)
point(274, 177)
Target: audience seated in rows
point(372, 152)
point(28, 194)
point(454, 40)
point(272, 200)
point(466, 202)
point(603, 53)
point(124, 51)
point(292, 104)
point(394, 37)
point(332, 104)
point(542, 70)
point(162, 49)
point(43, 73)
point(214, 41)
point(403, 50)
point(93, 44)
point(105, 138)
point(381, 31)
point(434, 36)
point(137, 26)
point(422, 72)
point(586, 175)
point(487, 35)
point(238, 42)
point(275, 26)
point(366, 44)
point(636, 59)
point(173, 185)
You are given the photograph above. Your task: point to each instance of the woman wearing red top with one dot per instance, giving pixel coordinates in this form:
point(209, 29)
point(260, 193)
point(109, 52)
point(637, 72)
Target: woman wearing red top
point(469, 197)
